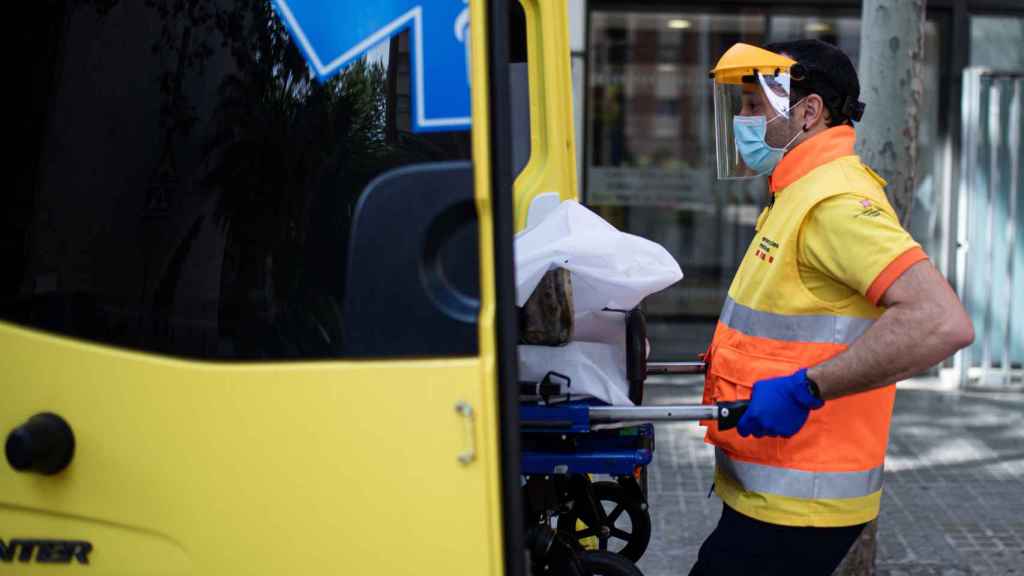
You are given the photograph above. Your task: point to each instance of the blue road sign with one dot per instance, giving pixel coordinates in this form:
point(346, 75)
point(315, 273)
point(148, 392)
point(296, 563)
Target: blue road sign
point(334, 33)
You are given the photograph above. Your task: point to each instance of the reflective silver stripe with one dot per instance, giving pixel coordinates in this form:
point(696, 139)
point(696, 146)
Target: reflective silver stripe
point(827, 329)
point(799, 483)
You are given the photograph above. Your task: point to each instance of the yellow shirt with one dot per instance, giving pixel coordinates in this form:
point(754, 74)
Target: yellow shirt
point(846, 243)
point(849, 243)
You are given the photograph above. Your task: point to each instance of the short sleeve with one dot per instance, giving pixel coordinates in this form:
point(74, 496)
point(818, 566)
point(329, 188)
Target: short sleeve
point(858, 242)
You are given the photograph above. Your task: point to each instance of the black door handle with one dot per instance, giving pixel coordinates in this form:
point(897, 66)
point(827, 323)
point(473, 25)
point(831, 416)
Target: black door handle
point(45, 444)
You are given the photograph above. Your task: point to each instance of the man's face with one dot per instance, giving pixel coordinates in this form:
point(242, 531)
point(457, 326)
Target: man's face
point(754, 103)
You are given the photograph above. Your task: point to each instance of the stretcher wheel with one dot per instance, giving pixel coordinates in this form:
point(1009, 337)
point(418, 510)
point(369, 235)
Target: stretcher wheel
point(553, 553)
point(598, 563)
point(623, 525)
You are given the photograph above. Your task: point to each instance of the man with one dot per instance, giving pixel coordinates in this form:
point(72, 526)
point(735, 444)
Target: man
point(832, 304)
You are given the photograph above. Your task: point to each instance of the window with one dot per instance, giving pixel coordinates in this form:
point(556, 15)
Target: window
point(997, 42)
point(650, 156)
point(991, 216)
point(184, 187)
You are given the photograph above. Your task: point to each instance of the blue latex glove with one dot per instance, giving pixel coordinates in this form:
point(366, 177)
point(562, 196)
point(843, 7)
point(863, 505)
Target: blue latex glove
point(779, 406)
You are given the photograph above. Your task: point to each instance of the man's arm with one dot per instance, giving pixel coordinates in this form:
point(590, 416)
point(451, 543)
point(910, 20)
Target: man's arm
point(923, 324)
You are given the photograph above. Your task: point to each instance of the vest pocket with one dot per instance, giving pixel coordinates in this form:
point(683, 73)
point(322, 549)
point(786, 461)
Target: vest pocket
point(738, 371)
point(732, 376)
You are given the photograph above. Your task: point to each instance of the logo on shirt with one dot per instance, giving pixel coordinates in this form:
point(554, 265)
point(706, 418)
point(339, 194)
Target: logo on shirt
point(764, 249)
point(869, 209)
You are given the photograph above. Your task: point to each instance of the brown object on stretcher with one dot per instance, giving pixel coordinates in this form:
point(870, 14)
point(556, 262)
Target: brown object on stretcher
point(547, 317)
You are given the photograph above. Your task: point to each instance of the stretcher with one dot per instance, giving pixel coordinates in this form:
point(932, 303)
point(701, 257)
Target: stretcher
point(567, 441)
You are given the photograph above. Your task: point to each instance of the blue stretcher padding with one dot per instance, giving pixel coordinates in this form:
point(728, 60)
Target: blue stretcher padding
point(614, 463)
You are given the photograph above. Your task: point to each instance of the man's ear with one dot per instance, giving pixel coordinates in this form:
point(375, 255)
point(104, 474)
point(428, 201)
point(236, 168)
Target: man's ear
point(814, 112)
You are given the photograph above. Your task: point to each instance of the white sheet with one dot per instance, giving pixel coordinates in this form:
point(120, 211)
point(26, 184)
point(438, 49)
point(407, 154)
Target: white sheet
point(595, 369)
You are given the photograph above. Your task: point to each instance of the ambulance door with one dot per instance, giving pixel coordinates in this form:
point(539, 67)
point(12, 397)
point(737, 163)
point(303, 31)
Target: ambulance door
point(250, 319)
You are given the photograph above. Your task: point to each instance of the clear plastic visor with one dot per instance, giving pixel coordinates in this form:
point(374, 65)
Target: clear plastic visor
point(768, 97)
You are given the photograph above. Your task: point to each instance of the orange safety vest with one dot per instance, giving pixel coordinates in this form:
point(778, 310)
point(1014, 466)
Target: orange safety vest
point(830, 472)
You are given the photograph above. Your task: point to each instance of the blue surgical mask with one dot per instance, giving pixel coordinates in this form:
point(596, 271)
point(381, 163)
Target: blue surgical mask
point(757, 154)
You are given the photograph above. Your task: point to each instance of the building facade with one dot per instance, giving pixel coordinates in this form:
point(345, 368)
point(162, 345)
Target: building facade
point(646, 147)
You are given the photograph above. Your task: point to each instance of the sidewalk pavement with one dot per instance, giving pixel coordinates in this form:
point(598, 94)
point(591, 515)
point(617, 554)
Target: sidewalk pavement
point(952, 505)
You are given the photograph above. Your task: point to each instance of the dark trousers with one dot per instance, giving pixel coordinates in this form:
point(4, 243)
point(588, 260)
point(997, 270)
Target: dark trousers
point(743, 546)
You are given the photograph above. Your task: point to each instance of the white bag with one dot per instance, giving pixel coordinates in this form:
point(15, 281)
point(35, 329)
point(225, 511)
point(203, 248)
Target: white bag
point(610, 269)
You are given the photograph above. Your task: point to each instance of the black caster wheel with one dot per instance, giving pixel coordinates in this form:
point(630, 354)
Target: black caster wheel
point(554, 553)
point(599, 563)
point(623, 525)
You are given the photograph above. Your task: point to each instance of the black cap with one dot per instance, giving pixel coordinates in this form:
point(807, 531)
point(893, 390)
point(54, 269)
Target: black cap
point(827, 71)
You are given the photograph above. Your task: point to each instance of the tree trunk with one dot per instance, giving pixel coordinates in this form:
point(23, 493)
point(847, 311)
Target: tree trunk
point(891, 60)
point(891, 57)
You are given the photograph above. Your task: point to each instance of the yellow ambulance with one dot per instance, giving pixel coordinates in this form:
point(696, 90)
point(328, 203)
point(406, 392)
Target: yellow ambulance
point(257, 313)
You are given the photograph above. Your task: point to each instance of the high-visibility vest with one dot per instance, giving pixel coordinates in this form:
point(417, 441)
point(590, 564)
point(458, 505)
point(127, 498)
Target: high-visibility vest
point(830, 472)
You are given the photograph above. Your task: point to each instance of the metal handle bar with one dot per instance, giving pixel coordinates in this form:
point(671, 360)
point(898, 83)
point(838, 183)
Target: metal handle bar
point(727, 413)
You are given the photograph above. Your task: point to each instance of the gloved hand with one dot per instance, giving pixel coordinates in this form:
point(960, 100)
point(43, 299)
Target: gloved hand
point(779, 406)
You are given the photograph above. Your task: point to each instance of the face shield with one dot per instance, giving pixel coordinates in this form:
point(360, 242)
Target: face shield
point(751, 96)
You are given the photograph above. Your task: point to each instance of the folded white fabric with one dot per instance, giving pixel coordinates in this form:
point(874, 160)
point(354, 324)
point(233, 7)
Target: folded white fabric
point(594, 368)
